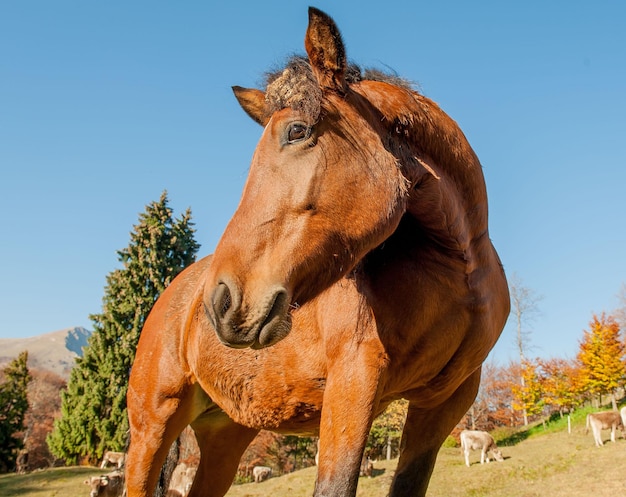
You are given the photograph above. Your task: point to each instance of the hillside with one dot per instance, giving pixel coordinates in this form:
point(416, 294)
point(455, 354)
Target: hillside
point(56, 351)
point(553, 463)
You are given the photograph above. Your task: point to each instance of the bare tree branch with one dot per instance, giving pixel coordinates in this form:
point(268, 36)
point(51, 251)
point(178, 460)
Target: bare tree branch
point(620, 312)
point(525, 308)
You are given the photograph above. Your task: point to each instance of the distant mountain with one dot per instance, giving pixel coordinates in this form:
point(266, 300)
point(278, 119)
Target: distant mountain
point(56, 351)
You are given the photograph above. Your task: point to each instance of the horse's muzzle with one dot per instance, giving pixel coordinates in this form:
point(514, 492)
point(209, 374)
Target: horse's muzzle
point(254, 325)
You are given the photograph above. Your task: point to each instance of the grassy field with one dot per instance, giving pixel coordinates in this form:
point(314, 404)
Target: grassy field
point(540, 463)
point(554, 464)
point(57, 482)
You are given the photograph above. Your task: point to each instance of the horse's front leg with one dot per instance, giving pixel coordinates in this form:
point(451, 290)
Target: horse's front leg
point(155, 420)
point(349, 401)
point(222, 442)
point(424, 432)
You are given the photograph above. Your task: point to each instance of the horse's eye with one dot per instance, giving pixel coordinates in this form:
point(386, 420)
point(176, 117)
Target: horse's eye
point(297, 132)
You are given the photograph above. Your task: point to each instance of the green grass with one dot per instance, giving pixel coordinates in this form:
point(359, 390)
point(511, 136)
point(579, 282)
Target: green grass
point(539, 461)
point(56, 482)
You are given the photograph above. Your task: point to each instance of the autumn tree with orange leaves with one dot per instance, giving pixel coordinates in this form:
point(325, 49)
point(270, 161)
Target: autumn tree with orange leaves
point(492, 406)
point(601, 357)
point(561, 384)
point(528, 394)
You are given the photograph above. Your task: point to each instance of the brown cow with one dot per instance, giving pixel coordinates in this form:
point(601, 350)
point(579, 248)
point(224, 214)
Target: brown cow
point(603, 421)
point(110, 485)
point(476, 439)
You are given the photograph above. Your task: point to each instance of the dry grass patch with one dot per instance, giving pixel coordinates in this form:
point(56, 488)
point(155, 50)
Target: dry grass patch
point(554, 464)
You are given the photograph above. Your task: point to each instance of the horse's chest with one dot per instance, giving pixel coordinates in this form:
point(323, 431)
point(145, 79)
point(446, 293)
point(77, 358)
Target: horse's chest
point(266, 389)
point(269, 403)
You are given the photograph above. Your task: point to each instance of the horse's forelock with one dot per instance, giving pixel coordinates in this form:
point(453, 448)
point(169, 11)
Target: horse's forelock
point(296, 87)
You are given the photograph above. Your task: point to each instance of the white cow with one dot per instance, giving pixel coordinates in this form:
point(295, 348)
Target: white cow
point(261, 473)
point(474, 440)
point(367, 467)
point(182, 479)
point(604, 420)
point(115, 458)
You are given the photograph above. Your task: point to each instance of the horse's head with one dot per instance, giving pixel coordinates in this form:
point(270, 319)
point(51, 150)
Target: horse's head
point(322, 191)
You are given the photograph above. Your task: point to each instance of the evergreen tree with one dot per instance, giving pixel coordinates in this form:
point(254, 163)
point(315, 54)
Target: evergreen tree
point(297, 452)
point(13, 407)
point(601, 356)
point(93, 411)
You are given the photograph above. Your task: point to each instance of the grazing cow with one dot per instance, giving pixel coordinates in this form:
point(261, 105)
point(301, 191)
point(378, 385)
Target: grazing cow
point(115, 458)
point(367, 467)
point(603, 421)
point(476, 439)
point(181, 481)
point(261, 473)
point(111, 485)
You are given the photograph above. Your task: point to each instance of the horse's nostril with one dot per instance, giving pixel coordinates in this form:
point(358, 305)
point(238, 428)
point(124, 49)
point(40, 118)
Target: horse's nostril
point(222, 300)
point(226, 302)
point(277, 307)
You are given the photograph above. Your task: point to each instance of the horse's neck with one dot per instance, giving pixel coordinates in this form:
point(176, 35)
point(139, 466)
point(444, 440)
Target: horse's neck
point(448, 196)
point(445, 214)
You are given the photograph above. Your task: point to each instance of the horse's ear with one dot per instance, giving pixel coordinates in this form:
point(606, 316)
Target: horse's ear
point(326, 50)
point(253, 102)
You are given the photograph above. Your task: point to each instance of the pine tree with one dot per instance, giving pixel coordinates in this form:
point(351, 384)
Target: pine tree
point(93, 411)
point(601, 356)
point(13, 407)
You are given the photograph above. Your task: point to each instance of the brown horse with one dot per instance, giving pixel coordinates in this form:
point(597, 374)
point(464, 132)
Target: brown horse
point(356, 270)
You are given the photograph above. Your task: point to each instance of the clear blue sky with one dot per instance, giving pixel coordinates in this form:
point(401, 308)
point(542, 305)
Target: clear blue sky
point(103, 105)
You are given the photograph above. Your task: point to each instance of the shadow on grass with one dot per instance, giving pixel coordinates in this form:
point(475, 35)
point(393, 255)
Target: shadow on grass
point(13, 484)
point(9, 489)
point(53, 481)
point(378, 472)
point(514, 438)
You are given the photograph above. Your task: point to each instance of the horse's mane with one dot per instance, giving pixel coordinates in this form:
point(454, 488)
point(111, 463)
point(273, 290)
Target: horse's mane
point(295, 86)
